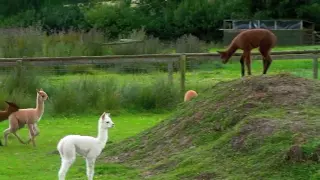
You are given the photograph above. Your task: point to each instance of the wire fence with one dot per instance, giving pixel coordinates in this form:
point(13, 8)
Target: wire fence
point(174, 66)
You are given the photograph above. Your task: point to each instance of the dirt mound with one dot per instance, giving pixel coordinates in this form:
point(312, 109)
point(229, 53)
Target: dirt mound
point(233, 124)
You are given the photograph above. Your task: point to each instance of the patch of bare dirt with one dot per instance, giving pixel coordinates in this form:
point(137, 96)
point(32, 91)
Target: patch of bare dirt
point(205, 176)
point(259, 128)
point(279, 90)
point(316, 155)
point(295, 154)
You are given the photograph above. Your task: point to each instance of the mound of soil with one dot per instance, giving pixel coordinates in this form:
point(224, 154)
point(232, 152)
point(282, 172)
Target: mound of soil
point(267, 119)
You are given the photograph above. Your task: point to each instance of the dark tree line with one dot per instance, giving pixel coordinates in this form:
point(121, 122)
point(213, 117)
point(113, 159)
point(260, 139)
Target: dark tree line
point(166, 19)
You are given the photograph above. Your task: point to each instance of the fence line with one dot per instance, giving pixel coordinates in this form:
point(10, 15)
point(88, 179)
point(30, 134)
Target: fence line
point(157, 58)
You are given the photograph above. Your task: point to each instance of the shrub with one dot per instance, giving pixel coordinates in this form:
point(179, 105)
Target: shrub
point(189, 44)
point(114, 20)
point(149, 44)
point(23, 78)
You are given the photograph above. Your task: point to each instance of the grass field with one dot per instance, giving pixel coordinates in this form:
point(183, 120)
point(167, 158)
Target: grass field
point(18, 161)
point(24, 162)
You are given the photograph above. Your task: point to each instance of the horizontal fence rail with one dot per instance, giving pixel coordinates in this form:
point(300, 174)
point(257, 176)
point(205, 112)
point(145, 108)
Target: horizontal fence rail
point(157, 58)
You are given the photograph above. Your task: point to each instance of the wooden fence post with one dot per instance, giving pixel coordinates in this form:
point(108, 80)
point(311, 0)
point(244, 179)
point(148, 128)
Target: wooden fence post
point(315, 66)
point(19, 67)
point(170, 72)
point(182, 73)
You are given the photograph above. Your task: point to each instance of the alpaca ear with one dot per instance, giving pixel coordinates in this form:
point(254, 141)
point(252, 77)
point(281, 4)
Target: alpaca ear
point(103, 115)
point(222, 54)
point(37, 90)
point(12, 104)
point(41, 89)
point(9, 103)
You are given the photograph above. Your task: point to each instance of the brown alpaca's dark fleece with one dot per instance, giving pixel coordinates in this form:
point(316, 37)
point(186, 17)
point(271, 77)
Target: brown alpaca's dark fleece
point(12, 107)
point(248, 40)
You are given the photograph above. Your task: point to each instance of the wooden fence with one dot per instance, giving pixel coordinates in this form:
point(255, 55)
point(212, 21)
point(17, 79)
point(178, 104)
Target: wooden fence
point(160, 58)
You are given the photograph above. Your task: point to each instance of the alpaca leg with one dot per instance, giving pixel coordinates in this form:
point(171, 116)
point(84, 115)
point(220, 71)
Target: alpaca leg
point(5, 135)
point(242, 65)
point(90, 167)
point(68, 156)
point(31, 134)
point(65, 165)
point(18, 137)
point(264, 64)
point(266, 59)
point(268, 63)
point(36, 130)
point(248, 62)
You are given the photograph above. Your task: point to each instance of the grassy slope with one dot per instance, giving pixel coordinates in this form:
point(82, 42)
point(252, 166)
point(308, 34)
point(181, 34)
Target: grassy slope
point(19, 161)
point(235, 130)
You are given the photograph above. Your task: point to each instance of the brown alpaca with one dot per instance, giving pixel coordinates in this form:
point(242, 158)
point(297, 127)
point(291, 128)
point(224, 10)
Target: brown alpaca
point(189, 95)
point(30, 116)
point(248, 40)
point(12, 107)
point(4, 115)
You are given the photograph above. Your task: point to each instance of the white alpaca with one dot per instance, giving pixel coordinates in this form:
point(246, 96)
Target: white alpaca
point(86, 146)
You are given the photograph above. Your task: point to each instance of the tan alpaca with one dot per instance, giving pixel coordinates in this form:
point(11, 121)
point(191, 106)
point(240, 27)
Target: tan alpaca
point(30, 116)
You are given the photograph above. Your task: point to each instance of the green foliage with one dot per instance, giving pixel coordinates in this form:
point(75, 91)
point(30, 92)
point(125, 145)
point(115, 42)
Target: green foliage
point(56, 18)
point(114, 20)
point(161, 19)
point(34, 42)
point(189, 44)
point(22, 78)
point(87, 93)
point(157, 95)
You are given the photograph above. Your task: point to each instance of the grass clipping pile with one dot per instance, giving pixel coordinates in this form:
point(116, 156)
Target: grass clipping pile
point(260, 126)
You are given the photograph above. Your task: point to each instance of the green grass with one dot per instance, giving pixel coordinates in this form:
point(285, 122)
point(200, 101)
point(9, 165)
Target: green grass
point(24, 162)
point(211, 152)
point(20, 161)
point(210, 73)
point(204, 75)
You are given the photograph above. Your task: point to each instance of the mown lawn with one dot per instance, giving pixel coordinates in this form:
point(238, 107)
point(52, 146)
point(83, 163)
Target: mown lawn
point(18, 161)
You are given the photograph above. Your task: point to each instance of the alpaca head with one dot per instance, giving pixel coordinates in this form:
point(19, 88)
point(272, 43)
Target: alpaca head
point(105, 121)
point(12, 107)
point(190, 94)
point(41, 95)
point(224, 56)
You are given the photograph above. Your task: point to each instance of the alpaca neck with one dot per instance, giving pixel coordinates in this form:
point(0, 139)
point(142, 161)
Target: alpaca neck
point(103, 136)
point(231, 50)
point(40, 106)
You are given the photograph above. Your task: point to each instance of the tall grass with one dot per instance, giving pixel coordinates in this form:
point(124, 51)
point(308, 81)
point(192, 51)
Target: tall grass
point(33, 42)
point(89, 94)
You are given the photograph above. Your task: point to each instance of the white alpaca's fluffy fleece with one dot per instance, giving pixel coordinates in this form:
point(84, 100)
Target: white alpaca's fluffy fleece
point(86, 146)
